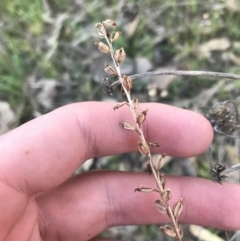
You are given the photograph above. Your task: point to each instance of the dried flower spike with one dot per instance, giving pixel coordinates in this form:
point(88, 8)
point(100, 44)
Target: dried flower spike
point(119, 56)
point(110, 70)
point(103, 47)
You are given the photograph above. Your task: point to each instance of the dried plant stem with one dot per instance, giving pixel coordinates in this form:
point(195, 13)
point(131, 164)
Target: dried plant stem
point(182, 73)
point(126, 82)
point(142, 138)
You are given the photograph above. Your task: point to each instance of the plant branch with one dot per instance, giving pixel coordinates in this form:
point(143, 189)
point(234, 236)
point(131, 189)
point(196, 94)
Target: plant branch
point(182, 73)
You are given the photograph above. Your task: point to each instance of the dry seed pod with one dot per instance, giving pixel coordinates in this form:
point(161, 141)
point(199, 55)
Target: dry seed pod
point(128, 126)
point(127, 82)
point(141, 117)
point(110, 70)
point(143, 148)
point(159, 163)
point(161, 206)
point(166, 195)
point(101, 30)
point(178, 207)
point(109, 23)
point(145, 189)
point(119, 56)
point(114, 36)
point(103, 47)
point(135, 103)
point(153, 144)
point(168, 230)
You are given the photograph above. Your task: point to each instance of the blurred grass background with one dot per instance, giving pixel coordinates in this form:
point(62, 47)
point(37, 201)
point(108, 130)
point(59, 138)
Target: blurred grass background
point(48, 57)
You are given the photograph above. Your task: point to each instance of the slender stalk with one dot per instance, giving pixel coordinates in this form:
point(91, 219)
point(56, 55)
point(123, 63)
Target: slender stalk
point(142, 138)
point(139, 118)
point(182, 73)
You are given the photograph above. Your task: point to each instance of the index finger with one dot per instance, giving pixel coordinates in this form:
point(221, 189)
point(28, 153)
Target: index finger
point(43, 153)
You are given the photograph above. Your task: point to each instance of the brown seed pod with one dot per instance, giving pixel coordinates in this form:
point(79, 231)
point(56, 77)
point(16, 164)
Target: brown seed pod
point(159, 162)
point(141, 117)
point(145, 189)
point(161, 206)
point(178, 207)
point(166, 195)
point(168, 230)
point(102, 47)
point(143, 148)
point(153, 144)
point(135, 103)
point(128, 126)
point(119, 55)
point(127, 82)
point(109, 23)
point(114, 36)
point(101, 30)
point(110, 70)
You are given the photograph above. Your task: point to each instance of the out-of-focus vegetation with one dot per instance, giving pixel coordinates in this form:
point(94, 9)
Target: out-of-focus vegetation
point(48, 57)
point(42, 40)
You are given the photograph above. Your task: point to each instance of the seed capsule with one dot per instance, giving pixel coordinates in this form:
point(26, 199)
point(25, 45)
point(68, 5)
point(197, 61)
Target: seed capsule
point(128, 126)
point(101, 30)
point(114, 36)
point(110, 70)
point(103, 47)
point(143, 148)
point(109, 23)
point(119, 55)
point(141, 117)
point(127, 82)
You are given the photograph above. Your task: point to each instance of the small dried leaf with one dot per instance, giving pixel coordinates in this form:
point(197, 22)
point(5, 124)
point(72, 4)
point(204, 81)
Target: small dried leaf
point(110, 70)
point(114, 36)
point(109, 23)
point(101, 30)
point(119, 56)
point(161, 206)
point(153, 144)
point(127, 82)
point(166, 195)
point(103, 47)
point(141, 117)
point(143, 148)
point(128, 126)
point(178, 207)
point(168, 230)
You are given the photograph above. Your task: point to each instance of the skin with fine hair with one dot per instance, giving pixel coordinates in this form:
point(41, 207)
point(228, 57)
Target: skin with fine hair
point(40, 200)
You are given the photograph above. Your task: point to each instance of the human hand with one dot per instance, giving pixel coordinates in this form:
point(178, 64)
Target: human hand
point(39, 200)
